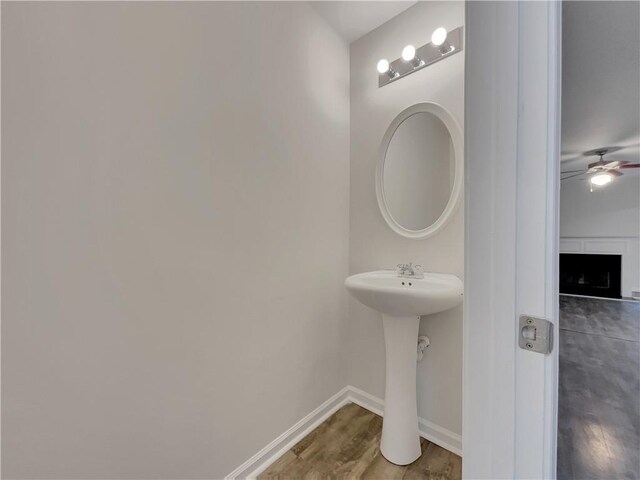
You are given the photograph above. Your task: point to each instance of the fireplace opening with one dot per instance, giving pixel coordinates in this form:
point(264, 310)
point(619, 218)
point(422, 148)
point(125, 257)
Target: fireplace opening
point(592, 275)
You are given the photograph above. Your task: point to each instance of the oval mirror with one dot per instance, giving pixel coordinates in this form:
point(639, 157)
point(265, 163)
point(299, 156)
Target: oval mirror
point(419, 174)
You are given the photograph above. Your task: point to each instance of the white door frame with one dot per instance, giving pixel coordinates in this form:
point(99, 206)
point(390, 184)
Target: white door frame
point(512, 131)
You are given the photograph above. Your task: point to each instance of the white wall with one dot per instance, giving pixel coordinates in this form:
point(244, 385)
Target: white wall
point(612, 210)
point(373, 245)
point(606, 220)
point(175, 224)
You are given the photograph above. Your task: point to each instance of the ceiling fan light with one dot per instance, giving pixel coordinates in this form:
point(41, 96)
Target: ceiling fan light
point(601, 179)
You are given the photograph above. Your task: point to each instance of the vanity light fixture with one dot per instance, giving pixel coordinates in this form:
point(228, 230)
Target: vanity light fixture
point(439, 39)
point(385, 69)
point(443, 44)
point(409, 55)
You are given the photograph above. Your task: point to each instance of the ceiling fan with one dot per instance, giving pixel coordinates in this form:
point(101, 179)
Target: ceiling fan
point(602, 171)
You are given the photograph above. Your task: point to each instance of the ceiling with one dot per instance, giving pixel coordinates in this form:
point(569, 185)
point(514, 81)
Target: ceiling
point(352, 20)
point(600, 81)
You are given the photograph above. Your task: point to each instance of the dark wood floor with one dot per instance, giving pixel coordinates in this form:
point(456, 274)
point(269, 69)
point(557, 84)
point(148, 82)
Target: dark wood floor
point(599, 389)
point(346, 446)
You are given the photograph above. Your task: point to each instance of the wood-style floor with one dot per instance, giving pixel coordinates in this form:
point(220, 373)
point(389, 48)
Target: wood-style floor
point(346, 446)
point(598, 406)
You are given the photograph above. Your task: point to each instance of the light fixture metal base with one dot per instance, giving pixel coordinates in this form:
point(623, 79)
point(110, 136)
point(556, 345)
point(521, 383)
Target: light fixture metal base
point(428, 54)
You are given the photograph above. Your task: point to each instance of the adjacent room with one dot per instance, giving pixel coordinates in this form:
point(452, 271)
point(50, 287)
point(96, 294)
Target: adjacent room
point(598, 409)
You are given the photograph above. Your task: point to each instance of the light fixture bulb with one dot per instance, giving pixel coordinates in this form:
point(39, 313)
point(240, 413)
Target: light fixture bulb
point(601, 179)
point(439, 36)
point(408, 53)
point(383, 66)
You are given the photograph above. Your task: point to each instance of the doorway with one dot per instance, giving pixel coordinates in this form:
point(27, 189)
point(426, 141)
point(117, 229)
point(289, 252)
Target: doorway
point(599, 349)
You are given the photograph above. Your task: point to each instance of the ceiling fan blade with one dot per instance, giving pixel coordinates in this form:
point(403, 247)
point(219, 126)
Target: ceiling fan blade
point(573, 171)
point(630, 165)
point(571, 176)
point(614, 164)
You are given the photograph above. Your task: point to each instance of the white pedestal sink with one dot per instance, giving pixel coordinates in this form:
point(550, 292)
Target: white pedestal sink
point(402, 301)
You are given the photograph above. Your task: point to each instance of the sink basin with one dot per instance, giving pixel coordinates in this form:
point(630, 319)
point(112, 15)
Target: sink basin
point(402, 301)
point(387, 293)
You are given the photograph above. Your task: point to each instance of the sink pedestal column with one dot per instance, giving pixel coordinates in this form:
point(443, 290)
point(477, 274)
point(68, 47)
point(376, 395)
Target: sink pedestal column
point(400, 442)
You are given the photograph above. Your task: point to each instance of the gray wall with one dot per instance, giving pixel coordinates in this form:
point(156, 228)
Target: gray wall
point(174, 233)
point(373, 245)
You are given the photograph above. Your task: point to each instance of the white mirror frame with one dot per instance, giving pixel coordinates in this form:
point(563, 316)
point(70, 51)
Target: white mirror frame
point(458, 150)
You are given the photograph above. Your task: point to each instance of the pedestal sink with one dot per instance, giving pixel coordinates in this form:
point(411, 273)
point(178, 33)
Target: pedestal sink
point(402, 301)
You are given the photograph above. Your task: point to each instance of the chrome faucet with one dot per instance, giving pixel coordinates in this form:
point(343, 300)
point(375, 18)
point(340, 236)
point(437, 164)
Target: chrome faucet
point(409, 270)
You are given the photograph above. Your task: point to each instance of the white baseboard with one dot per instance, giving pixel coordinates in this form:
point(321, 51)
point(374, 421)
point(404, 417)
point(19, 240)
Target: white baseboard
point(623, 299)
point(440, 436)
point(434, 433)
point(278, 447)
